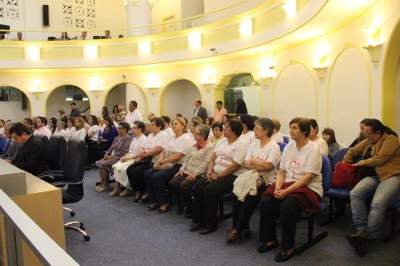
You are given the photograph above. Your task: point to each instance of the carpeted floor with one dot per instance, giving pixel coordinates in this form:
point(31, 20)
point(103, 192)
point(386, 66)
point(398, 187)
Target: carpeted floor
point(125, 233)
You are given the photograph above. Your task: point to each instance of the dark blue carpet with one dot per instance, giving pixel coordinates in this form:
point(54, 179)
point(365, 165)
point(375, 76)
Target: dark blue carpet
point(125, 233)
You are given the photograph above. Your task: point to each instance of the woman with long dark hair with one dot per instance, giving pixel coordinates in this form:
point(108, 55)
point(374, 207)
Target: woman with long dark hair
point(380, 166)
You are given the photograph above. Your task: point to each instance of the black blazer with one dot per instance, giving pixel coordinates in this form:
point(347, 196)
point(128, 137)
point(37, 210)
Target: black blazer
point(32, 157)
point(202, 113)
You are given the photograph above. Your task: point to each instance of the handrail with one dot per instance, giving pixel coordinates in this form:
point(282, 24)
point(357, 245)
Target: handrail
point(45, 248)
point(153, 25)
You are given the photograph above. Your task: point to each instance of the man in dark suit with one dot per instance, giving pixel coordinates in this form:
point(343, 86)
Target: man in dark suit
point(200, 110)
point(33, 154)
point(13, 148)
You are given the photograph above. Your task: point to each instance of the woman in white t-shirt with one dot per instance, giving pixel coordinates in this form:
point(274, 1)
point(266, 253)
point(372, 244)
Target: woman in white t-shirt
point(80, 132)
point(262, 158)
point(170, 161)
point(224, 167)
point(248, 126)
point(120, 167)
point(319, 142)
point(60, 131)
point(149, 151)
point(69, 132)
point(277, 135)
point(93, 131)
point(298, 188)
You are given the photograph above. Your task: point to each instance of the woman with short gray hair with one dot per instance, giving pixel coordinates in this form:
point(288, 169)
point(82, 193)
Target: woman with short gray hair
point(192, 169)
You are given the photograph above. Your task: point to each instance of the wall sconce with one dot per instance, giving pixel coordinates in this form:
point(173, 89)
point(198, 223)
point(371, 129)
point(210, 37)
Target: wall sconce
point(96, 87)
point(321, 72)
point(208, 83)
point(375, 53)
point(37, 89)
point(246, 27)
point(32, 53)
point(144, 47)
point(153, 85)
point(194, 40)
point(290, 7)
point(267, 75)
point(90, 52)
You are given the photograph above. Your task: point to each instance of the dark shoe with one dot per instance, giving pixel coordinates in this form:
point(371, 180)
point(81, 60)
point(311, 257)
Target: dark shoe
point(152, 207)
point(359, 238)
point(362, 250)
point(179, 210)
point(232, 237)
point(284, 256)
point(264, 247)
point(245, 234)
point(188, 215)
point(160, 211)
point(144, 198)
point(137, 197)
point(206, 231)
point(338, 213)
point(194, 227)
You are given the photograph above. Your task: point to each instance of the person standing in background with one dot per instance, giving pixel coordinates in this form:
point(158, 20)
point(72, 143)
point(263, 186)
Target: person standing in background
point(200, 110)
point(220, 111)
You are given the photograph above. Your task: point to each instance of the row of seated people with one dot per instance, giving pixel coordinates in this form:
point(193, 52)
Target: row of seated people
point(256, 172)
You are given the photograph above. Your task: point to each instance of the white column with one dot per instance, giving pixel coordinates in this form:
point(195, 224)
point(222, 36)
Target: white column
point(139, 14)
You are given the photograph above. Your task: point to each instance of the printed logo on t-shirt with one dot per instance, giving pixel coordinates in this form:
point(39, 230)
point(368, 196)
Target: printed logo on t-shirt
point(294, 167)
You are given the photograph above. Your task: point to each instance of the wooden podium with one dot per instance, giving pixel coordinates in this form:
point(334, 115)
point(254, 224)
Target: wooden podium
point(40, 200)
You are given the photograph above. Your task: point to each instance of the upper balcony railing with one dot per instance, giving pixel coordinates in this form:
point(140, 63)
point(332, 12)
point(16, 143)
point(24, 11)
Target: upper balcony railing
point(201, 20)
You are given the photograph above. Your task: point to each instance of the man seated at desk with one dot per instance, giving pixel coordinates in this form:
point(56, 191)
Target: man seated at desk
point(13, 148)
point(32, 156)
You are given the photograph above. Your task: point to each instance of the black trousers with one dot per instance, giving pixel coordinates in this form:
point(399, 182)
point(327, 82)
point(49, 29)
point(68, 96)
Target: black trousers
point(135, 174)
point(97, 150)
point(242, 211)
point(206, 199)
point(182, 191)
point(288, 211)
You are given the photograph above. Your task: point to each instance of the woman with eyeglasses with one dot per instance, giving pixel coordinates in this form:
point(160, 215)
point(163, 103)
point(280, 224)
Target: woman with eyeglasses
point(224, 167)
point(172, 157)
point(149, 152)
point(380, 167)
point(122, 165)
point(261, 161)
point(298, 187)
point(119, 148)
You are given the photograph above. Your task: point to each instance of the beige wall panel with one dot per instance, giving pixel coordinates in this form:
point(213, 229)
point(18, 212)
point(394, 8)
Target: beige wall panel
point(294, 95)
point(179, 97)
point(348, 95)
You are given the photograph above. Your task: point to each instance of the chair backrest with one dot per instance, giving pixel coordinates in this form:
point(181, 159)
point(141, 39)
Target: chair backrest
point(4, 145)
point(338, 156)
point(286, 139)
point(74, 166)
point(282, 146)
point(326, 172)
point(56, 152)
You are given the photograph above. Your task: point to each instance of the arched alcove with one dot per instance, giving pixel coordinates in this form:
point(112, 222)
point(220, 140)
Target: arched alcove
point(391, 81)
point(14, 103)
point(348, 94)
point(61, 98)
point(294, 94)
point(123, 93)
point(240, 86)
point(178, 97)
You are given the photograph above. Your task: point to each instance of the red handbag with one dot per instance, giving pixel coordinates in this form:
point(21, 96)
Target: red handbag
point(346, 175)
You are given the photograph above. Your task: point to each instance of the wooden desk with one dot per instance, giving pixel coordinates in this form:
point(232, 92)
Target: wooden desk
point(43, 204)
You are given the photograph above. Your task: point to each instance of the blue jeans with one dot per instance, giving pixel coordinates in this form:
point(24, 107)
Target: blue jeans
point(384, 194)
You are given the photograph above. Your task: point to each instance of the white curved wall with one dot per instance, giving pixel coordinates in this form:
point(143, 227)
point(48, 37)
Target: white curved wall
point(349, 93)
point(295, 94)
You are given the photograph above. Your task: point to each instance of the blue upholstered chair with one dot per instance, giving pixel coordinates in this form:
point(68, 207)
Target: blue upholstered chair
point(282, 146)
point(326, 172)
point(335, 194)
point(393, 232)
point(286, 139)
